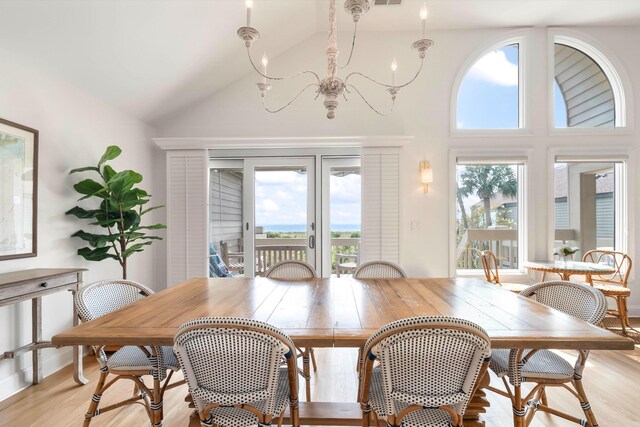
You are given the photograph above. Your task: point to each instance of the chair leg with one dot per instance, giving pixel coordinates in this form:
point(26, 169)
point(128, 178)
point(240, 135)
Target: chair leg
point(543, 397)
point(313, 359)
point(95, 400)
point(306, 372)
point(156, 404)
point(518, 407)
point(626, 312)
point(584, 403)
point(366, 414)
point(621, 314)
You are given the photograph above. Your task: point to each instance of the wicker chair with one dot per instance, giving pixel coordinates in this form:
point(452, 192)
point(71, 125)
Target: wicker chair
point(297, 270)
point(614, 285)
point(427, 372)
point(234, 370)
point(129, 362)
point(544, 367)
point(379, 270)
point(490, 267)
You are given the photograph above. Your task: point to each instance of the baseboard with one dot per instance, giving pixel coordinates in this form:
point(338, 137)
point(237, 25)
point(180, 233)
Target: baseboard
point(23, 378)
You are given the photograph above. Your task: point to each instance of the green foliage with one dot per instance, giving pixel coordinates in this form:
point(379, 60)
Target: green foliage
point(355, 235)
point(118, 216)
point(486, 181)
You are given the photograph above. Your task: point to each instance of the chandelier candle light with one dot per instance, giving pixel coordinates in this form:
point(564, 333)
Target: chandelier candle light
point(332, 87)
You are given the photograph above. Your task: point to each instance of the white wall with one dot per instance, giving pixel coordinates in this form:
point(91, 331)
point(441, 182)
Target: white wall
point(422, 110)
point(74, 131)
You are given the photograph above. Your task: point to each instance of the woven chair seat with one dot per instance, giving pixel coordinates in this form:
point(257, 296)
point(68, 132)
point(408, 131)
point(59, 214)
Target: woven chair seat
point(544, 364)
point(426, 417)
point(616, 290)
point(513, 287)
point(131, 358)
point(234, 417)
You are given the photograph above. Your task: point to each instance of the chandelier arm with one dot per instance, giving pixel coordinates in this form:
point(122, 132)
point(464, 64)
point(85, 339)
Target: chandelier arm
point(353, 45)
point(367, 102)
point(288, 103)
point(357, 73)
point(279, 78)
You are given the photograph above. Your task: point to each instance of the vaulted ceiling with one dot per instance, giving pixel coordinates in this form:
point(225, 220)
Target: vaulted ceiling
point(151, 58)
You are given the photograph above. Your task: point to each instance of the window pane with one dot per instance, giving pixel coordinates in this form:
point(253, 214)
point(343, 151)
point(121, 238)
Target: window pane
point(344, 213)
point(487, 214)
point(585, 206)
point(488, 96)
point(585, 89)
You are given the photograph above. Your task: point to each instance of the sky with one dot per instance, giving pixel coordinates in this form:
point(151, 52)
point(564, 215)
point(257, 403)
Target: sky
point(281, 198)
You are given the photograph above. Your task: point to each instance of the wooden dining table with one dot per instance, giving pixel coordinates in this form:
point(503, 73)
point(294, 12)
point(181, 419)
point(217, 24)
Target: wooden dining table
point(344, 312)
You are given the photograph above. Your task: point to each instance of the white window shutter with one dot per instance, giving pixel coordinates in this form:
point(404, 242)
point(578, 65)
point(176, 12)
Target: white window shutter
point(187, 243)
point(380, 205)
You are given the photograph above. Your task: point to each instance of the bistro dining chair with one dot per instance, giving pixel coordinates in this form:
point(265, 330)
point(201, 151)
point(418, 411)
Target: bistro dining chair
point(613, 285)
point(298, 270)
point(422, 371)
point(379, 270)
point(235, 373)
point(129, 362)
point(545, 368)
point(490, 267)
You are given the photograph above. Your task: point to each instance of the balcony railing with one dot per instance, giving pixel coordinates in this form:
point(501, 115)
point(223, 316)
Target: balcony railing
point(502, 242)
point(272, 251)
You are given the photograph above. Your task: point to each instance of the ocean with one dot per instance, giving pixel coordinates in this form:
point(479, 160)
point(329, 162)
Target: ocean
point(281, 228)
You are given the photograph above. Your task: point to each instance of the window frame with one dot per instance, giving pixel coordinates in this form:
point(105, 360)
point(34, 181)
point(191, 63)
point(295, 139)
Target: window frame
point(612, 69)
point(524, 41)
point(525, 230)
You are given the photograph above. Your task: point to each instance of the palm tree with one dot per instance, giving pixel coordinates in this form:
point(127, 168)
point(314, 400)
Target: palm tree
point(486, 181)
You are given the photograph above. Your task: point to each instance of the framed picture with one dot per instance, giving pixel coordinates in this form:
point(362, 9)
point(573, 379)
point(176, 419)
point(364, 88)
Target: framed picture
point(18, 190)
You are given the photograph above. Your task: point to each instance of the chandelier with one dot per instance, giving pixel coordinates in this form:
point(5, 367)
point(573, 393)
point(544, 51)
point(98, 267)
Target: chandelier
point(332, 87)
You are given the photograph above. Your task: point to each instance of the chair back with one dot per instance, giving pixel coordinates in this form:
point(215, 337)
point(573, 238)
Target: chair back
point(490, 266)
point(578, 300)
point(379, 270)
point(426, 361)
point(233, 361)
point(291, 270)
point(100, 298)
point(618, 260)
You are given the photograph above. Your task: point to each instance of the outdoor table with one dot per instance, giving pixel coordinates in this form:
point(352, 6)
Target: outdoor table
point(568, 268)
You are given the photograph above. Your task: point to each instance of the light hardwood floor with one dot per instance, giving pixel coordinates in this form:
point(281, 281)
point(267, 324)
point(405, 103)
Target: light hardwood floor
point(611, 380)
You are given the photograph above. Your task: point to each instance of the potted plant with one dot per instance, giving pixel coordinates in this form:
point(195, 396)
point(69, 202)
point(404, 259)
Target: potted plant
point(118, 215)
point(565, 251)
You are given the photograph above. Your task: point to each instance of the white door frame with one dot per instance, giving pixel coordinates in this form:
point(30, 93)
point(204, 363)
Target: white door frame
point(250, 165)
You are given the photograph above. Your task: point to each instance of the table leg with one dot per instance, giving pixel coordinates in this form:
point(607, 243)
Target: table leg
point(478, 404)
point(36, 337)
point(78, 374)
point(565, 276)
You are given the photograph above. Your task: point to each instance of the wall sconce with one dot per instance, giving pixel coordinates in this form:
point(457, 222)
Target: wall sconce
point(426, 175)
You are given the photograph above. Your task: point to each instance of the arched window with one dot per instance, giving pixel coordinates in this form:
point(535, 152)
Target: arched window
point(588, 92)
point(489, 95)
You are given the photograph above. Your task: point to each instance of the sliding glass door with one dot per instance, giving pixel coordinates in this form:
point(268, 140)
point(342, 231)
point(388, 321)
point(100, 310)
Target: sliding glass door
point(270, 209)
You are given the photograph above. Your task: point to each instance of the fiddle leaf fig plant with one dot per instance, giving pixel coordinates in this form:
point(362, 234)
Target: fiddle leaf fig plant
point(118, 215)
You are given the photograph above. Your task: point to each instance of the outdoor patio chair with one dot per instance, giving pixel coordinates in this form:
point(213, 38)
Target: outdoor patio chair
point(233, 367)
point(545, 368)
point(426, 372)
point(614, 285)
point(298, 270)
point(379, 270)
point(129, 362)
point(490, 267)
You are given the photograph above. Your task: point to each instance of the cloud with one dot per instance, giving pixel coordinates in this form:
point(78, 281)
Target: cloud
point(495, 68)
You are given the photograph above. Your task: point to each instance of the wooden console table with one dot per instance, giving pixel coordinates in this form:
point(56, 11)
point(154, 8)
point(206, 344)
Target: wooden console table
point(33, 285)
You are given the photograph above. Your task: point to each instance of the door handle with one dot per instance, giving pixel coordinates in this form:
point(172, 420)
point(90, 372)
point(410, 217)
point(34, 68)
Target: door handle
point(312, 241)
